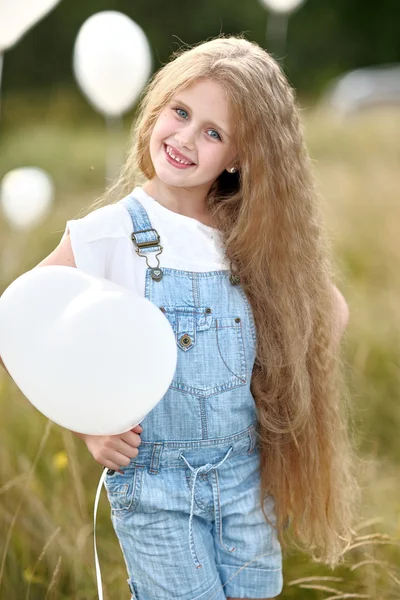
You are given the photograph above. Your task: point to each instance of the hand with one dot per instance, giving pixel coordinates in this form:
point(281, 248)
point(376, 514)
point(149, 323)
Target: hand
point(114, 451)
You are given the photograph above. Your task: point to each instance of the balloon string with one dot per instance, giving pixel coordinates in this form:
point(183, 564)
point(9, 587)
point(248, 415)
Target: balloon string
point(114, 158)
point(96, 558)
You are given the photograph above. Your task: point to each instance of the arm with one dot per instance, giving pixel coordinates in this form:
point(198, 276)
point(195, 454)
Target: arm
point(342, 313)
point(62, 255)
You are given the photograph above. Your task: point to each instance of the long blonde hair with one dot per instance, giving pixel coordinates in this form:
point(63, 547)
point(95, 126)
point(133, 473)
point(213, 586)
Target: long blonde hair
point(269, 217)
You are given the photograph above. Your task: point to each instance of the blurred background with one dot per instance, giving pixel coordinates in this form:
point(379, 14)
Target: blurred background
point(343, 60)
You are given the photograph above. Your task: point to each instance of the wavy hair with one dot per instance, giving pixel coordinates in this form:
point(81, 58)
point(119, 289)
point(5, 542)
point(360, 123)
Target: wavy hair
point(270, 220)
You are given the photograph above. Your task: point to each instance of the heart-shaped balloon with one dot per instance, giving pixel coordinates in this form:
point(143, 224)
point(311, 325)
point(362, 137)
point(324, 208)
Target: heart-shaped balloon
point(88, 353)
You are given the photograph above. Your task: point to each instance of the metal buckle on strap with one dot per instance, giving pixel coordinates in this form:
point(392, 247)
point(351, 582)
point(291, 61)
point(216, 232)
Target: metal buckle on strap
point(147, 244)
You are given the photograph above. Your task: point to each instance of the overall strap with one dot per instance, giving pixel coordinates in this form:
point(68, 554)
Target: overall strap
point(144, 236)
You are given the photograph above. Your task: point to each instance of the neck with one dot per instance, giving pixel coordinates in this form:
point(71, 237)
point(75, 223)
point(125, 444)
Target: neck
point(190, 202)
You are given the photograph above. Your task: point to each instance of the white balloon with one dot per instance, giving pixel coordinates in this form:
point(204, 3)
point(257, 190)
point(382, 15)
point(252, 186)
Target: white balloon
point(17, 16)
point(282, 6)
point(26, 195)
point(89, 354)
point(112, 61)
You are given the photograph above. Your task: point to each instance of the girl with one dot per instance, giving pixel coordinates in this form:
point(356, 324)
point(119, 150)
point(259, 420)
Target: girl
point(224, 235)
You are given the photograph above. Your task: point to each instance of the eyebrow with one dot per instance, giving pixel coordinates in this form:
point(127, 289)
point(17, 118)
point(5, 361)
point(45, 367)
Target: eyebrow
point(178, 101)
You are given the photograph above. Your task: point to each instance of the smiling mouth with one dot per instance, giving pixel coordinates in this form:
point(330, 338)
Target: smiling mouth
point(176, 158)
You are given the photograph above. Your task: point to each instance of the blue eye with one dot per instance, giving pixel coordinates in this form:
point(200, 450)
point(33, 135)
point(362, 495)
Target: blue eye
point(216, 136)
point(181, 110)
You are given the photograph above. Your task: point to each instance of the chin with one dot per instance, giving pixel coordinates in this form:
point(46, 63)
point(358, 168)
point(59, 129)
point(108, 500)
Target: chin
point(170, 178)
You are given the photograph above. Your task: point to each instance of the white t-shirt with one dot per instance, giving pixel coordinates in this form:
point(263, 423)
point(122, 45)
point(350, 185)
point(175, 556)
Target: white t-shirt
point(102, 246)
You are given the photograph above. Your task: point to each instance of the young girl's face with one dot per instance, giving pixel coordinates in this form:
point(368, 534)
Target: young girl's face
point(194, 127)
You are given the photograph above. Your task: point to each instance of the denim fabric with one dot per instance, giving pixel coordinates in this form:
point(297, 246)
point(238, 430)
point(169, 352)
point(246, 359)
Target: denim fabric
point(187, 509)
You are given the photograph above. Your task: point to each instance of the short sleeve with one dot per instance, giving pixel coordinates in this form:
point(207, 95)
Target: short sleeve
point(89, 256)
point(93, 237)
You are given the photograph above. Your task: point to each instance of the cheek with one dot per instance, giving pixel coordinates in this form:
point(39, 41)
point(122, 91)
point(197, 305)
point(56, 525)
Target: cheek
point(163, 127)
point(214, 154)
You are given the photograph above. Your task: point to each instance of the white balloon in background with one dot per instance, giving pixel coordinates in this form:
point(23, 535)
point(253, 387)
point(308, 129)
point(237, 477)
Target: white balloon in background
point(89, 354)
point(17, 16)
point(282, 6)
point(112, 61)
point(26, 195)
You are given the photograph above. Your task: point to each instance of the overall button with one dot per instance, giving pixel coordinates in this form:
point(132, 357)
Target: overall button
point(234, 279)
point(156, 274)
point(185, 340)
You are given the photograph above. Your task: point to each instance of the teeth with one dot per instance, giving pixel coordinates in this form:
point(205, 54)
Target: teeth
point(179, 160)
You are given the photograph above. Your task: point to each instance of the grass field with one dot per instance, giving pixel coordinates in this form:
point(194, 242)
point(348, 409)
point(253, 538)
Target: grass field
point(48, 479)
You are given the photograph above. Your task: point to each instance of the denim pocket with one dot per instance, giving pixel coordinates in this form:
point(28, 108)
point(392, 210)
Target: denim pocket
point(211, 355)
point(229, 338)
point(123, 491)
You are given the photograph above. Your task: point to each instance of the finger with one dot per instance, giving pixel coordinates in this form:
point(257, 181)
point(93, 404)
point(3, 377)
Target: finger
point(138, 429)
point(120, 458)
point(127, 449)
point(109, 464)
point(132, 439)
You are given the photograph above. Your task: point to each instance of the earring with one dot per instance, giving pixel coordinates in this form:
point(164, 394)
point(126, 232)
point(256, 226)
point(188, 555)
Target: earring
point(232, 170)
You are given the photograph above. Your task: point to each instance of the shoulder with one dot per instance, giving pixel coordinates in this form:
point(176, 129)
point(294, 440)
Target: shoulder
point(101, 237)
point(111, 221)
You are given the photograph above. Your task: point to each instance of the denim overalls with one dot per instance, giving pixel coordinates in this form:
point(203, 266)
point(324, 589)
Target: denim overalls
point(187, 510)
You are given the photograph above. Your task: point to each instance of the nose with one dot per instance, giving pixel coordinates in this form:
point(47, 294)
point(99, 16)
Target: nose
point(185, 138)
